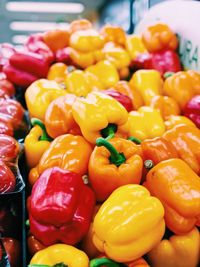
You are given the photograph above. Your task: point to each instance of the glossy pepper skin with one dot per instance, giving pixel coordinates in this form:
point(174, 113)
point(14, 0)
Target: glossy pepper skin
point(95, 112)
point(179, 250)
point(148, 83)
point(58, 117)
point(36, 143)
point(67, 152)
point(174, 120)
point(9, 148)
point(106, 72)
point(39, 95)
point(186, 140)
point(7, 89)
point(135, 46)
point(178, 188)
point(166, 105)
point(159, 37)
point(144, 123)
point(106, 174)
point(57, 72)
point(61, 207)
point(192, 110)
point(7, 179)
point(34, 245)
point(13, 250)
point(182, 86)
point(113, 34)
point(58, 254)
point(129, 223)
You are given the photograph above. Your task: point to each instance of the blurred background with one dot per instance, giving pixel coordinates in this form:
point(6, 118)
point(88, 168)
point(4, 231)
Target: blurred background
point(21, 18)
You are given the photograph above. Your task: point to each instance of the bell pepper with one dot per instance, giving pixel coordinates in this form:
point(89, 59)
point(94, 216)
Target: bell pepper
point(124, 88)
point(36, 143)
point(6, 51)
point(159, 37)
point(144, 123)
point(35, 43)
point(86, 40)
point(6, 125)
point(60, 213)
point(9, 148)
point(113, 164)
point(6, 87)
point(186, 140)
point(120, 97)
point(13, 251)
point(58, 117)
point(60, 255)
point(57, 72)
point(39, 95)
point(182, 86)
point(113, 34)
point(148, 83)
point(67, 152)
point(34, 245)
point(178, 188)
point(79, 24)
point(7, 179)
point(129, 223)
point(56, 39)
point(179, 251)
point(117, 55)
point(166, 105)
point(26, 67)
point(174, 120)
point(103, 261)
point(106, 72)
point(135, 46)
point(81, 83)
point(98, 114)
point(192, 110)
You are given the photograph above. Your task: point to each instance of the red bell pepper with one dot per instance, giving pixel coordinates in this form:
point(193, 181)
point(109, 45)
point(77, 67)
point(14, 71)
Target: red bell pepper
point(9, 148)
point(36, 45)
point(63, 55)
point(7, 179)
point(61, 207)
point(6, 87)
point(192, 110)
point(6, 51)
point(12, 248)
point(6, 125)
point(121, 98)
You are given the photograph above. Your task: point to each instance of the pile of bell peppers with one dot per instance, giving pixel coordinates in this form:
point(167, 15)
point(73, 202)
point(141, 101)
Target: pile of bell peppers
point(113, 154)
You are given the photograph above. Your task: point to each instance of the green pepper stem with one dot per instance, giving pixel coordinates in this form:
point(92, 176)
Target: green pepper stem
point(148, 164)
point(135, 140)
point(109, 131)
point(103, 262)
point(168, 74)
point(44, 136)
point(115, 157)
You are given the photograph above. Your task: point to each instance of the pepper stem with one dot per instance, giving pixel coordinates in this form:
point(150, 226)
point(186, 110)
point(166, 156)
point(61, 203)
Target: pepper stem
point(109, 131)
point(148, 164)
point(103, 262)
point(135, 140)
point(44, 136)
point(115, 157)
point(168, 74)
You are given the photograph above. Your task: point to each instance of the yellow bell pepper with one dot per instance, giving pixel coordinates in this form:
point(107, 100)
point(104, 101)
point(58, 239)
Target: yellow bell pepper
point(144, 123)
point(174, 120)
point(36, 143)
point(135, 46)
point(178, 251)
point(86, 40)
point(39, 95)
point(129, 223)
point(57, 72)
point(97, 115)
point(106, 72)
point(149, 84)
point(81, 83)
point(60, 255)
point(116, 55)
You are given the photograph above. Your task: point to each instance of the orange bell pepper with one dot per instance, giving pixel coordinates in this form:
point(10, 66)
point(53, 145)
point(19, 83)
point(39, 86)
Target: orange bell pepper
point(124, 88)
point(67, 152)
point(177, 186)
point(159, 37)
point(113, 34)
point(56, 39)
point(59, 119)
point(186, 140)
point(57, 72)
point(174, 120)
point(166, 105)
point(182, 86)
point(114, 164)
